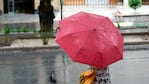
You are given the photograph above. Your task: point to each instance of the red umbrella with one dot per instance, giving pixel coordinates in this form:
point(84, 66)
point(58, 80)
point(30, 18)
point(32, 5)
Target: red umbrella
point(90, 39)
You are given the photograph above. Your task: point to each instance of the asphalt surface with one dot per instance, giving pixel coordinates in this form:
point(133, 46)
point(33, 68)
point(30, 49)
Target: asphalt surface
point(32, 65)
point(25, 63)
point(133, 69)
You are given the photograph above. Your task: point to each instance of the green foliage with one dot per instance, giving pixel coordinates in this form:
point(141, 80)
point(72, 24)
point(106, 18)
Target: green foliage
point(18, 30)
point(25, 30)
point(45, 36)
point(135, 4)
point(35, 31)
point(7, 31)
point(118, 25)
point(1, 31)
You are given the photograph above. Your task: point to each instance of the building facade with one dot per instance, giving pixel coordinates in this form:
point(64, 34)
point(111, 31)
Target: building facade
point(30, 6)
point(22, 6)
point(18, 6)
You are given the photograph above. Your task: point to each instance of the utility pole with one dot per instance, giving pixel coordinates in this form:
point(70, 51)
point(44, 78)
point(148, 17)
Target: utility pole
point(61, 3)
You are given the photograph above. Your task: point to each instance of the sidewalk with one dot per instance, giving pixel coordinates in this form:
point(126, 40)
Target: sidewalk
point(129, 38)
point(31, 43)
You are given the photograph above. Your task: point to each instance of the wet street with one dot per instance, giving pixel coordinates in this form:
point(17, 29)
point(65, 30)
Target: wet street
point(52, 66)
point(133, 69)
point(45, 65)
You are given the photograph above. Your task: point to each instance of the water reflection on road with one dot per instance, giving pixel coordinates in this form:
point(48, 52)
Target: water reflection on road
point(52, 66)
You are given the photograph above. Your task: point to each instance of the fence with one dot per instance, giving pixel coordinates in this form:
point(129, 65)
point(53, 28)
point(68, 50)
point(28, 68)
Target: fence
point(145, 2)
point(92, 3)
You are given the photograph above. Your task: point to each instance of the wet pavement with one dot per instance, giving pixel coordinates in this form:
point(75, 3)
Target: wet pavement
point(27, 61)
point(18, 18)
point(133, 69)
point(29, 43)
point(53, 66)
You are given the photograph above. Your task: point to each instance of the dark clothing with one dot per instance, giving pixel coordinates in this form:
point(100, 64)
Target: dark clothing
point(103, 76)
point(46, 15)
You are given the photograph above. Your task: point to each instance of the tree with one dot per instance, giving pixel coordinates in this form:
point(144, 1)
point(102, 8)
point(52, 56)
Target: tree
point(134, 4)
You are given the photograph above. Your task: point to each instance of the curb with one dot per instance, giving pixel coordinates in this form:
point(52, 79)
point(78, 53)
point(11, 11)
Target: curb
point(134, 31)
point(136, 47)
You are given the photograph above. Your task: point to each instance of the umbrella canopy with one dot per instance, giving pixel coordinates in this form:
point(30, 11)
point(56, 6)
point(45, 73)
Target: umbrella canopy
point(90, 39)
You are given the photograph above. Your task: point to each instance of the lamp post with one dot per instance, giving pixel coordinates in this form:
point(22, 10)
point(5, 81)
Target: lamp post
point(61, 3)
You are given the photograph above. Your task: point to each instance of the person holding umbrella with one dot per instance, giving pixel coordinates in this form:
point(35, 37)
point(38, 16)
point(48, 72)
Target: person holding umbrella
point(93, 40)
point(102, 75)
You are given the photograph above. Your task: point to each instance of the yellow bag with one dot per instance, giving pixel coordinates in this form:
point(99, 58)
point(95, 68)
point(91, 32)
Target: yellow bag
point(87, 77)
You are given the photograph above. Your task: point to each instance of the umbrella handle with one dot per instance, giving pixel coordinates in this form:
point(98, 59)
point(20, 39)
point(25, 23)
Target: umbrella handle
point(94, 68)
